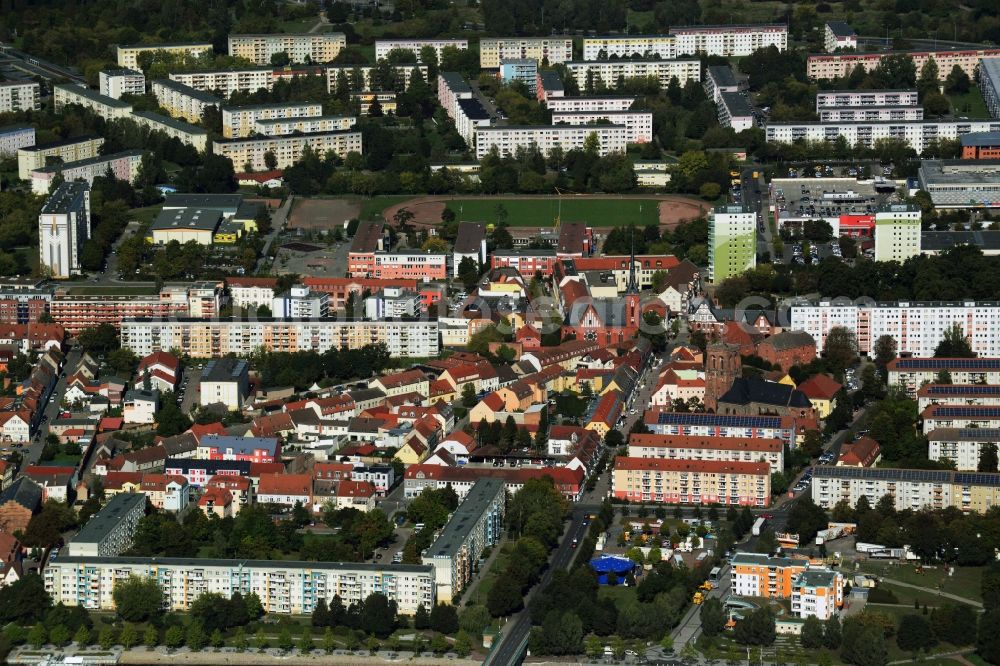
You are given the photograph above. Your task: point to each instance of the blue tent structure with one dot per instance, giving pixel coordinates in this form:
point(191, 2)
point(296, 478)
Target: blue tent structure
point(611, 564)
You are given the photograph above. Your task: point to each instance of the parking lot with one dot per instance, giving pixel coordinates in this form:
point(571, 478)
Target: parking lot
point(828, 198)
point(795, 253)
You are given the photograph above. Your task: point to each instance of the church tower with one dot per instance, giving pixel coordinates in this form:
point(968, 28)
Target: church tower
point(722, 366)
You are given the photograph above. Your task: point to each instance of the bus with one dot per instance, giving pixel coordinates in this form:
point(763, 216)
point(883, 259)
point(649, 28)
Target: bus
point(714, 575)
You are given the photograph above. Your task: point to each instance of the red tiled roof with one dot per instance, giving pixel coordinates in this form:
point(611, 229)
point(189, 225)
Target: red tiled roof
point(355, 489)
point(200, 431)
point(562, 476)
point(115, 480)
point(404, 378)
point(159, 358)
point(285, 484)
point(608, 409)
point(229, 482)
point(217, 496)
point(327, 470)
point(258, 469)
point(494, 402)
point(861, 453)
point(820, 387)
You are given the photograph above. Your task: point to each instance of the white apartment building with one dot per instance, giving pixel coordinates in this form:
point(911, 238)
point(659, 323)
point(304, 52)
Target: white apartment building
point(916, 133)
point(732, 241)
point(875, 113)
point(182, 101)
point(836, 65)
point(19, 96)
point(720, 79)
point(989, 84)
point(35, 157)
point(729, 40)
point(226, 82)
point(839, 35)
point(313, 125)
point(586, 104)
point(207, 339)
point(961, 416)
point(15, 137)
point(358, 78)
point(626, 46)
point(962, 446)
point(313, 47)
point(912, 373)
point(507, 139)
point(63, 226)
point(917, 328)
point(106, 107)
point(846, 99)
point(110, 531)
point(393, 303)
point(897, 232)
point(128, 55)
point(117, 82)
point(251, 293)
point(240, 121)
point(735, 111)
point(552, 49)
point(383, 47)
point(301, 303)
point(283, 587)
point(817, 593)
point(470, 116)
point(288, 149)
point(124, 166)
point(178, 129)
point(638, 124)
point(609, 72)
point(910, 488)
point(451, 88)
point(692, 447)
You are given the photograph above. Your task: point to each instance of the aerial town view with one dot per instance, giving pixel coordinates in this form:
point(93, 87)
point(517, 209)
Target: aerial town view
point(499, 332)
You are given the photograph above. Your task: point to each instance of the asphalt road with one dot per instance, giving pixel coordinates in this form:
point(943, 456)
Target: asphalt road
point(33, 450)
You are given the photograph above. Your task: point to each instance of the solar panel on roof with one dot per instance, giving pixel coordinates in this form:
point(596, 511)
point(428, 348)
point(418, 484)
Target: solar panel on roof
point(968, 389)
point(725, 420)
point(973, 411)
point(984, 433)
point(953, 363)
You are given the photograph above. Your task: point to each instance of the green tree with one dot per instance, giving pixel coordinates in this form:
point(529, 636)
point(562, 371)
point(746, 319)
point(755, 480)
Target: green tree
point(504, 597)
point(195, 637)
point(260, 640)
point(329, 644)
point(128, 637)
point(285, 641)
point(217, 640)
point(954, 344)
point(812, 633)
point(463, 644)
point(174, 637)
point(37, 636)
point(82, 636)
point(757, 628)
point(444, 619)
point(151, 637)
point(306, 643)
point(713, 617)
point(915, 633)
point(987, 458)
point(59, 635)
point(24, 601)
point(137, 599)
point(840, 349)
point(469, 399)
point(987, 637)
point(240, 641)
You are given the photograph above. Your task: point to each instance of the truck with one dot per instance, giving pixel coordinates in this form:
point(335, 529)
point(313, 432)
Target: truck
point(758, 526)
point(834, 531)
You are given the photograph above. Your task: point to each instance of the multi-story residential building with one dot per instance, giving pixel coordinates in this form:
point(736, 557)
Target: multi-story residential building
point(638, 124)
point(917, 328)
point(409, 265)
point(972, 182)
point(117, 82)
point(691, 481)
point(385, 100)
point(568, 481)
point(979, 395)
point(124, 166)
point(475, 525)
point(507, 139)
point(989, 84)
point(226, 82)
point(897, 232)
point(734, 111)
point(63, 226)
point(549, 85)
point(183, 101)
point(128, 55)
point(663, 422)
point(590, 73)
point(962, 446)
point(77, 311)
point(589, 104)
point(839, 35)
point(526, 262)
point(911, 373)
point(287, 149)
point(251, 293)
point(312, 47)
point(251, 449)
point(960, 416)
point(470, 116)
point(692, 447)
point(451, 88)
point(720, 79)
point(648, 47)
point(300, 302)
point(224, 381)
point(729, 40)
point(875, 113)
point(917, 134)
point(524, 70)
point(554, 50)
point(199, 473)
point(368, 239)
point(863, 99)
point(383, 47)
point(909, 488)
point(759, 575)
point(817, 593)
point(470, 243)
point(23, 305)
point(311, 125)
point(15, 137)
point(111, 531)
point(732, 241)
point(207, 339)
point(362, 78)
point(241, 121)
point(837, 65)
point(392, 302)
point(19, 96)
point(178, 129)
point(283, 587)
point(36, 157)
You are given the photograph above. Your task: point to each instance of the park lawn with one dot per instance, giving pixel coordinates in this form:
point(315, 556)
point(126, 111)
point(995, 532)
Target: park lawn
point(373, 207)
point(965, 582)
point(543, 212)
point(146, 215)
point(300, 25)
point(623, 595)
point(489, 578)
point(969, 105)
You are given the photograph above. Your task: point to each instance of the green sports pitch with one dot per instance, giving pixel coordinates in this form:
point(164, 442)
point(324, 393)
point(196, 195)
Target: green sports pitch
point(543, 212)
